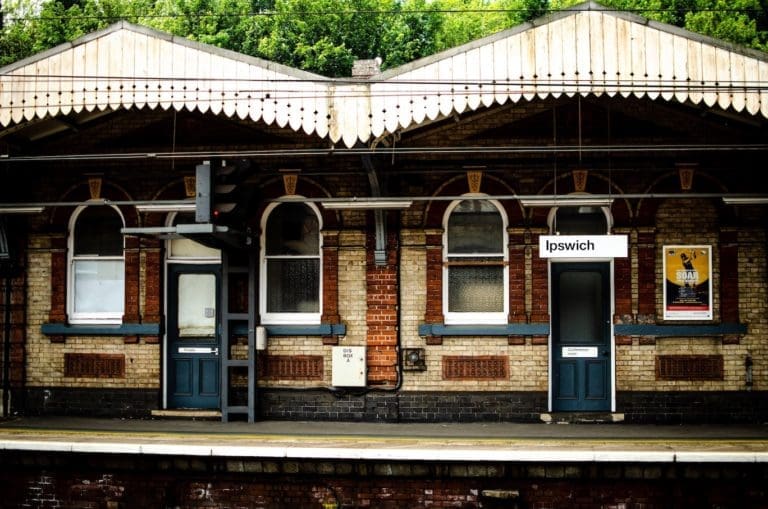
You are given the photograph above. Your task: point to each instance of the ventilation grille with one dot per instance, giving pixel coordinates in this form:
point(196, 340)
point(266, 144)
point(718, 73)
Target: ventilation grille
point(484, 367)
point(94, 365)
point(689, 367)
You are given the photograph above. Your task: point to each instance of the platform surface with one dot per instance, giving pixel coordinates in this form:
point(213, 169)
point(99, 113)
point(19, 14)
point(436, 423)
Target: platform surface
point(476, 442)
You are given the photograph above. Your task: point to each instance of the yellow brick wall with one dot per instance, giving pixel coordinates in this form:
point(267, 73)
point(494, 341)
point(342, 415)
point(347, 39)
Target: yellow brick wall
point(352, 309)
point(352, 287)
point(528, 364)
point(45, 360)
point(696, 222)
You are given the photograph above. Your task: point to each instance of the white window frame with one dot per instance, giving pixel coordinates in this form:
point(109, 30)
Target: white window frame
point(95, 318)
point(273, 318)
point(477, 318)
point(209, 255)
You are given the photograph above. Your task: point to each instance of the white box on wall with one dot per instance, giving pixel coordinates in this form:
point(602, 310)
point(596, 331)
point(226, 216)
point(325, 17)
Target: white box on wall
point(348, 366)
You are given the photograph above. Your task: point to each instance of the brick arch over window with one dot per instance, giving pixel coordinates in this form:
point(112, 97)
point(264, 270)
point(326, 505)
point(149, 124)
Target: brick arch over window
point(457, 186)
point(309, 188)
point(647, 208)
point(621, 209)
point(60, 219)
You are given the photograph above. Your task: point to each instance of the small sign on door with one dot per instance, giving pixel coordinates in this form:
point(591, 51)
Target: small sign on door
point(579, 351)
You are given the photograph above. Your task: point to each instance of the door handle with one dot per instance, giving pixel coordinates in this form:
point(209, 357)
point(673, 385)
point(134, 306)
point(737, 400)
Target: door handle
point(215, 351)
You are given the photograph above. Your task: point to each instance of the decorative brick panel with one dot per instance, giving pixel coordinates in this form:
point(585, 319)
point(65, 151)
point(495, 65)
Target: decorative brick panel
point(539, 286)
point(689, 367)
point(153, 288)
point(729, 277)
point(517, 277)
point(94, 365)
point(622, 284)
point(58, 312)
point(434, 311)
point(646, 273)
point(330, 277)
point(481, 367)
point(132, 280)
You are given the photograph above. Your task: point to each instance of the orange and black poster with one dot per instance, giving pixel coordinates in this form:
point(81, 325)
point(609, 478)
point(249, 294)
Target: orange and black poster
point(687, 282)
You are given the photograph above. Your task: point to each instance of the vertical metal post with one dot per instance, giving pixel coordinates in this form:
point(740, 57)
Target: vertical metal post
point(7, 348)
point(224, 339)
point(252, 261)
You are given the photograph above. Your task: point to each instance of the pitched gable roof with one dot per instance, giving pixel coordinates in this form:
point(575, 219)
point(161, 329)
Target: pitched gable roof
point(127, 65)
point(587, 50)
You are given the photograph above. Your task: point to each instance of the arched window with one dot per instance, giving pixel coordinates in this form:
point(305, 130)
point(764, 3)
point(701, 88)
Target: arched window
point(291, 265)
point(475, 276)
point(97, 266)
point(579, 220)
point(182, 249)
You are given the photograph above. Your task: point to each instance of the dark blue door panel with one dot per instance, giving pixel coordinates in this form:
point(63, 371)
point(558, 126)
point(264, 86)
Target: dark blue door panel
point(581, 368)
point(192, 360)
point(596, 385)
point(209, 377)
point(182, 378)
point(567, 380)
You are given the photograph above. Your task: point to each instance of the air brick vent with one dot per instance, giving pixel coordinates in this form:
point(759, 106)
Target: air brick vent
point(291, 367)
point(689, 367)
point(94, 365)
point(481, 367)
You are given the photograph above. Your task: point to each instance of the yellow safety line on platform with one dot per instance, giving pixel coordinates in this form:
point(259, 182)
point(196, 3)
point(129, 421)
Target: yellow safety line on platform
point(325, 440)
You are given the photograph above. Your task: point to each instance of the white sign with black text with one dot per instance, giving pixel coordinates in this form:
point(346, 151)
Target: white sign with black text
point(583, 246)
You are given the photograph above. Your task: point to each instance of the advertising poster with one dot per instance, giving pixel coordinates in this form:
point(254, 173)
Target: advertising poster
point(687, 282)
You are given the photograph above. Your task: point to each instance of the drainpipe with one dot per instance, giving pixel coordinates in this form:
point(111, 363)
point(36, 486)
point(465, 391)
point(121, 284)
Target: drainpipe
point(380, 251)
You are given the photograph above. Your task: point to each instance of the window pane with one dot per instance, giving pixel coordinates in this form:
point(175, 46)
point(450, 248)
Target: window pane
point(188, 248)
point(293, 229)
point(475, 226)
point(97, 232)
point(581, 298)
point(293, 286)
point(580, 221)
point(99, 286)
point(197, 305)
point(475, 289)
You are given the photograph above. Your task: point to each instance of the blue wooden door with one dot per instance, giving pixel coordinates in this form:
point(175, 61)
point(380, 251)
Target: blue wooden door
point(581, 348)
point(192, 360)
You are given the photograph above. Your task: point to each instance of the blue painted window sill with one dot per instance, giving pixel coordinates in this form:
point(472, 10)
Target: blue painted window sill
point(153, 329)
point(319, 329)
point(679, 329)
point(125, 329)
point(542, 329)
point(510, 329)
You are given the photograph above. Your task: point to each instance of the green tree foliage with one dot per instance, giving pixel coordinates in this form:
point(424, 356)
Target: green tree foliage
point(411, 32)
point(58, 22)
point(326, 36)
point(222, 23)
point(743, 22)
point(467, 20)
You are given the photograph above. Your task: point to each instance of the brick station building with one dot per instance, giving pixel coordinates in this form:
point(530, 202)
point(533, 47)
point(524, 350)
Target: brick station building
point(566, 217)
